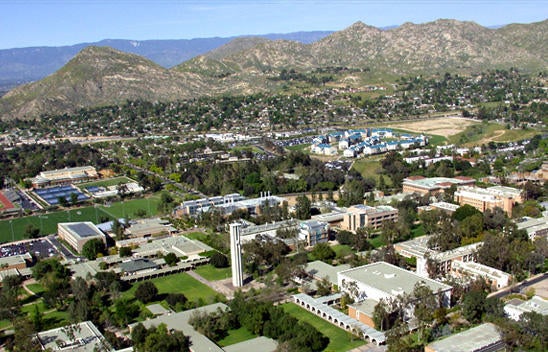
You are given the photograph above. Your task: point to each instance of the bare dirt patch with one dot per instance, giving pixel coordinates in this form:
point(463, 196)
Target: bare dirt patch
point(445, 126)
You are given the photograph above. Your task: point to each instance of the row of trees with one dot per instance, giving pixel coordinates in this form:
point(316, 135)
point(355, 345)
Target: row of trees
point(28, 160)
point(504, 246)
point(254, 177)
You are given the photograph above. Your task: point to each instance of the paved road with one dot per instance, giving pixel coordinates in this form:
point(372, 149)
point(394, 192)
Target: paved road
point(60, 248)
point(539, 280)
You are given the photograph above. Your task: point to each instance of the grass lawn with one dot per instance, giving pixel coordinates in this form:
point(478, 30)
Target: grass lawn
point(4, 324)
point(211, 273)
point(342, 250)
point(36, 288)
point(236, 336)
point(434, 139)
point(107, 182)
point(199, 236)
point(179, 283)
point(128, 208)
point(417, 230)
point(370, 167)
point(516, 135)
point(299, 147)
point(339, 339)
point(376, 242)
point(486, 132)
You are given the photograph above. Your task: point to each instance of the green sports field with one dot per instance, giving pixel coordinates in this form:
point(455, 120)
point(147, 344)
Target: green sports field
point(107, 182)
point(14, 229)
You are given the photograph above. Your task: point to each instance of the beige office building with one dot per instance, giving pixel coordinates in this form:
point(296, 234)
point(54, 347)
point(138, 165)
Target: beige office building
point(489, 198)
point(363, 216)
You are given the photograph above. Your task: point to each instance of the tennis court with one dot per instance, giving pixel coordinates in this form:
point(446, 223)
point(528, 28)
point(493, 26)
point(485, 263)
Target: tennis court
point(51, 195)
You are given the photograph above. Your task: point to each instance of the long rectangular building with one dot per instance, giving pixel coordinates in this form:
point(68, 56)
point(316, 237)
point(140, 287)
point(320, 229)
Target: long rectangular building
point(433, 185)
point(64, 176)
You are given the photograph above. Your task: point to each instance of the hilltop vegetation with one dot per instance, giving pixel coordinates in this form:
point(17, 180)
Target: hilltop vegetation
point(103, 76)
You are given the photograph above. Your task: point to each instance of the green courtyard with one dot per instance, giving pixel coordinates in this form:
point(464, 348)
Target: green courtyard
point(339, 339)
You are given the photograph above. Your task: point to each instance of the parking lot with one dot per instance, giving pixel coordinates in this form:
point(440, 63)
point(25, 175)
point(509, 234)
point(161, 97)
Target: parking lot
point(40, 248)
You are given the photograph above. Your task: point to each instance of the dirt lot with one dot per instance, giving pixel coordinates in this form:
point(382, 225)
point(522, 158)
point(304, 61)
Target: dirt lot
point(445, 126)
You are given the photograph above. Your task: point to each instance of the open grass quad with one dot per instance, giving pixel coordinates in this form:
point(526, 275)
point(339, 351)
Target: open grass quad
point(47, 222)
point(183, 283)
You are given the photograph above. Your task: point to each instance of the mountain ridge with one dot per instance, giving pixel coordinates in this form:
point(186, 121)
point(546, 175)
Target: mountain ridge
point(21, 65)
point(101, 76)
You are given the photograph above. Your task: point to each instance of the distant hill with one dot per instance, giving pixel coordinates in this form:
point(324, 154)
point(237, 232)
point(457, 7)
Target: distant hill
point(22, 65)
point(101, 75)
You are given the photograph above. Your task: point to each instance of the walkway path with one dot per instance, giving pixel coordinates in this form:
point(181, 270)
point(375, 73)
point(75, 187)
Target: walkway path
point(221, 286)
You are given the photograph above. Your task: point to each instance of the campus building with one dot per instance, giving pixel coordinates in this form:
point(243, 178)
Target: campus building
point(368, 284)
point(359, 216)
point(76, 234)
point(516, 307)
point(448, 208)
point(313, 232)
point(535, 227)
point(495, 278)
point(146, 228)
point(81, 337)
point(482, 338)
point(64, 176)
point(489, 198)
point(433, 185)
point(250, 231)
point(194, 207)
point(226, 205)
point(445, 260)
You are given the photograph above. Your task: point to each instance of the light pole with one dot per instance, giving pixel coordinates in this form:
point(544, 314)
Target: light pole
point(41, 217)
point(12, 233)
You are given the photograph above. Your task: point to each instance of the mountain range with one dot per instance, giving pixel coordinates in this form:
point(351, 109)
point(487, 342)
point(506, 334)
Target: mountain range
point(21, 65)
point(100, 75)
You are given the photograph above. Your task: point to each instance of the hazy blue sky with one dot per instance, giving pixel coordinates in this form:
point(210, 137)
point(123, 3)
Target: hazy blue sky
point(63, 22)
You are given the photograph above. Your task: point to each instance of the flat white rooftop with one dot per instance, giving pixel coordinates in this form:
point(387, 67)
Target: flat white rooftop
point(87, 338)
point(390, 278)
point(470, 340)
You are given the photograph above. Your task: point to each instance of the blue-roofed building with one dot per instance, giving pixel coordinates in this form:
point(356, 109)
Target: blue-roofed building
point(354, 138)
point(344, 144)
point(392, 145)
point(335, 136)
point(76, 234)
point(324, 149)
point(319, 140)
